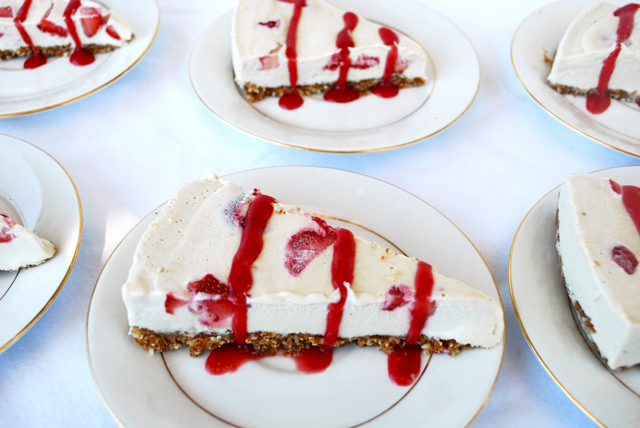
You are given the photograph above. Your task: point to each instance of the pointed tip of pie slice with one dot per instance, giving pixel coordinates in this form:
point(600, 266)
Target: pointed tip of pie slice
point(21, 248)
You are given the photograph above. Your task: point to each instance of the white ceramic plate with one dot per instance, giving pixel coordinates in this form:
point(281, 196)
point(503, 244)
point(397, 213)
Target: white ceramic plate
point(543, 310)
point(540, 33)
point(48, 202)
point(355, 389)
point(368, 124)
point(59, 82)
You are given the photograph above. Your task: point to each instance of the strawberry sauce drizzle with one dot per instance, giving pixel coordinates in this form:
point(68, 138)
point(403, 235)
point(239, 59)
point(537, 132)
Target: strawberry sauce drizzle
point(240, 277)
point(313, 360)
point(293, 100)
point(630, 199)
point(80, 55)
point(404, 365)
point(421, 307)
point(37, 59)
point(386, 89)
point(341, 93)
point(344, 256)
point(599, 101)
point(230, 357)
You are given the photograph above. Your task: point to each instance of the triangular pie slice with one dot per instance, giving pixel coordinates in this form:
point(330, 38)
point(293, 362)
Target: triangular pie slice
point(45, 28)
point(220, 264)
point(19, 247)
point(312, 47)
point(599, 56)
point(599, 246)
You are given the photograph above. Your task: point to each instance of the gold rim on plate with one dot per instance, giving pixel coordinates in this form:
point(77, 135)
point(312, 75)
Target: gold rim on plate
point(504, 337)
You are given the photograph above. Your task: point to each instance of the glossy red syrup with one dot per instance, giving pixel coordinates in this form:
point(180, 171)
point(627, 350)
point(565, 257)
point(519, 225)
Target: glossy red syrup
point(344, 256)
point(421, 307)
point(386, 89)
point(5, 232)
point(111, 31)
point(630, 199)
point(306, 245)
point(37, 60)
point(80, 55)
point(240, 277)
point(341, 93)
point(313, 360)
point(404, 365)
point(228, 359)
point(292, 100)
point(599, 101)
point(51, 28)
point(624, 258)
point(397, 295)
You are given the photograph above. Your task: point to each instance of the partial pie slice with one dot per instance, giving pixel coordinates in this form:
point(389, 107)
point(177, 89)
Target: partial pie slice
point(19, 247)
point(44, 28)
point(599, 246)
point(307, 46)
point(220, 264)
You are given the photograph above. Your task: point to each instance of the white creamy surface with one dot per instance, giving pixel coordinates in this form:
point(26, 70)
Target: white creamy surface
point(318, 29)
point(194, 236)
point(24, 249)
point(589, 40)
point(11, 39)
point(592, 221)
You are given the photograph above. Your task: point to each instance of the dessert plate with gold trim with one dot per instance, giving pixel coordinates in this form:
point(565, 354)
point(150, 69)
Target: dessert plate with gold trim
point(533, 46)
point(59, 82)
point(37, 192)
point(543, 309)
point(175, 389)
point(367, 124)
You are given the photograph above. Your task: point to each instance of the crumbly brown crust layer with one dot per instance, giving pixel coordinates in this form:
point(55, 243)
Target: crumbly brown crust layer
point(265, 344)
point(256, 93)
point(617, 94)
point(59, 51)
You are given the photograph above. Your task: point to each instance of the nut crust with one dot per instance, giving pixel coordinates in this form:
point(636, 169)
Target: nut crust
point(59, 51)
point(255, 93)
point(617, 94)
point(267, 344)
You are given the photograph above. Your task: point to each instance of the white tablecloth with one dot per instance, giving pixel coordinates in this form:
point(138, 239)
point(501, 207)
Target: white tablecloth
point(130, 146)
